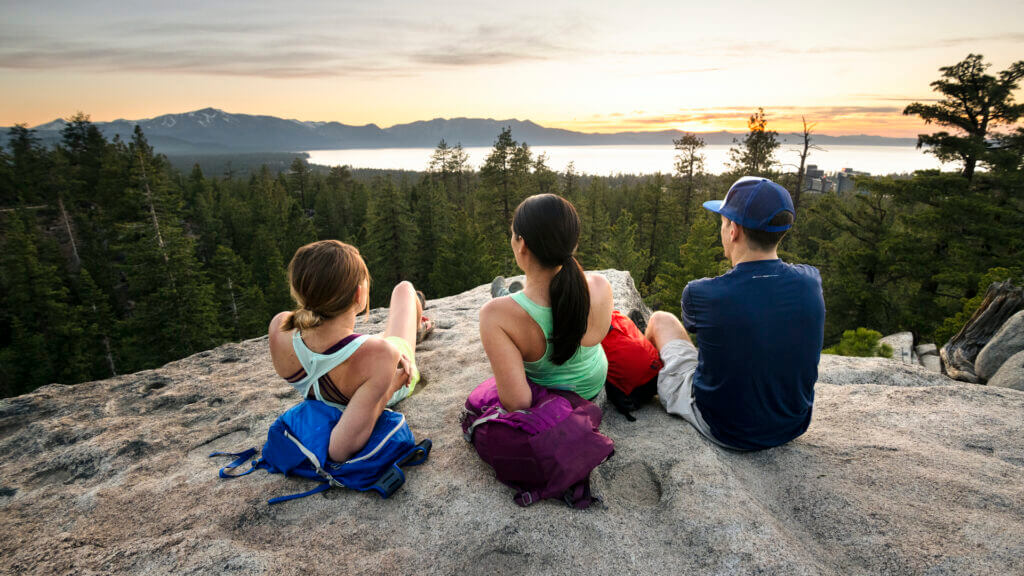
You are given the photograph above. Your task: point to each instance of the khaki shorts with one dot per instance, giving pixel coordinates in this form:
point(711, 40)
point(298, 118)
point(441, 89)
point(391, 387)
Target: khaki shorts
point(675, 386)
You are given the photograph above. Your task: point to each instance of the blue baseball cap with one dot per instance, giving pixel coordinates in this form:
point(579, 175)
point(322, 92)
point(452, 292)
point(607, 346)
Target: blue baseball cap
point(752, 202)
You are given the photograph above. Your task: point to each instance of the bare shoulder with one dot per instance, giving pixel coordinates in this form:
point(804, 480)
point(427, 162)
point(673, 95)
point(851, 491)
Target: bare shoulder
point(282, 355)
point(274, 333)
point(376, 349)
point(600, 288)
point(497, 310)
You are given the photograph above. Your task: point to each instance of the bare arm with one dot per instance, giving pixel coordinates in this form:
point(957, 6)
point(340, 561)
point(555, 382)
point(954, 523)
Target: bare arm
point(353, 430)
point(281, 353)
point(506, 359)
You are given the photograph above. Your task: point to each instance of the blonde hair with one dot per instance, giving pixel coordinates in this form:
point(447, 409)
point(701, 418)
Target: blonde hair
point(324, 279)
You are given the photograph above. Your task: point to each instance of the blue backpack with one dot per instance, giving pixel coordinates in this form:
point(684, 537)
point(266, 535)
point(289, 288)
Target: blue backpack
point(297, 446)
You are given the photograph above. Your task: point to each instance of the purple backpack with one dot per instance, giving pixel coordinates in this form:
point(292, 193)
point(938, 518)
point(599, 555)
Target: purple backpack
point(547, 451)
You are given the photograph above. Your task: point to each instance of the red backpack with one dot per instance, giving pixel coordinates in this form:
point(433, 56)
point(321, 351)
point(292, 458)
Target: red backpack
point(633, 365)
point(547, 451)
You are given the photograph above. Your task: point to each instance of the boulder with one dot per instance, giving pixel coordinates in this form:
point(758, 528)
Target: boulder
point(926, 349)
point(902, 471)
point(1007, 341)
point(1002, 300)
point(1010, 374)
point(932, 362)
point(902, 344)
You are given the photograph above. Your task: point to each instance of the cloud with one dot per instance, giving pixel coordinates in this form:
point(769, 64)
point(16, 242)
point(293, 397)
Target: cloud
point(744, 49)
point(458, 57)
point(362, 46)
point(775, 113)
point(893, 98)
point(833, 119)
point(217, 60)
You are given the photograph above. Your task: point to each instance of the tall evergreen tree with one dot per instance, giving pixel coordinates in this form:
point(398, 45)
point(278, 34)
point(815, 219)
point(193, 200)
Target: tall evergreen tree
point(390, 239)
point(36, 313)
point(595, 224)
point(462, 260)
point(503, 185)
point(621, 252)
point(974, 104)
point(699, 257)
point(166, 284)
point(689, 166)
point(755, 154)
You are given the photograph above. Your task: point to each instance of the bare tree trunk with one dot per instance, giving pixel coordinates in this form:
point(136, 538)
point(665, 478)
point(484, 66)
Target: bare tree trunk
point(234, 306)
point(803, 164)
point(1002, 300)
point(76, 262)
point(106, 347)
point(156, 221)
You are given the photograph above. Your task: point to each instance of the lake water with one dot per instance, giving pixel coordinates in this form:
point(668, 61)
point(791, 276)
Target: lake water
point(609, 160)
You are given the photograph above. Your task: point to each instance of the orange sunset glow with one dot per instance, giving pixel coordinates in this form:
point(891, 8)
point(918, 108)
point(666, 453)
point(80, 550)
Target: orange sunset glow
point(602, 67)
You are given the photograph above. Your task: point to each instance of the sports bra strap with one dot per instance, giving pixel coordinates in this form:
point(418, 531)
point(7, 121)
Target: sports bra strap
point(316, 364)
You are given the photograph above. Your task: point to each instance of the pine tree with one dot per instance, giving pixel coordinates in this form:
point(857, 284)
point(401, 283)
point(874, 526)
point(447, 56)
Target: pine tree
point(99, 326)
point(36, 311)
point(298, 180)
point(503, 178)
point(8, 192)
point(166, 285)
point(660, 215)
point(462, 261)
point(85, 147)
point(432, 214)
point(595, 224)
point(390, 240)
point(28, 164)
point(755, 154)
point(544, 178)
point(620, 251)
point(699, 257)
point(974, 104)
point(689, 165)
point(241, 307)
point(269, 272)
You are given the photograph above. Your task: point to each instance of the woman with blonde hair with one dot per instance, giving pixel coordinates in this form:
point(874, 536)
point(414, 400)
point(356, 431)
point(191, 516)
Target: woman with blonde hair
point(315, 347)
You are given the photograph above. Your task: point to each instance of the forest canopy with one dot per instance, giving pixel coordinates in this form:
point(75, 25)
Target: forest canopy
point(114, 261)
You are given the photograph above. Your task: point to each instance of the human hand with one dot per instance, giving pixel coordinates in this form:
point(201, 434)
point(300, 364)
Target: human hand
point(403, 372)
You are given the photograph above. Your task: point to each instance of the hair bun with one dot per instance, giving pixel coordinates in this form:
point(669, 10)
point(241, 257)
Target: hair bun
point(304, 319)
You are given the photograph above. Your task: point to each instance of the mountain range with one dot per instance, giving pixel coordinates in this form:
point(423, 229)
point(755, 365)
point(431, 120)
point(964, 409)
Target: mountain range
point(214, 131)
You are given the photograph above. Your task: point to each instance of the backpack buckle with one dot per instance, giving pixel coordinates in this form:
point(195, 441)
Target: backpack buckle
point(389, 482)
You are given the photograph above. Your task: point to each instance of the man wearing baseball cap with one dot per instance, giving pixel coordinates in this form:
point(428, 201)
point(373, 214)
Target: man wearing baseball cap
point(749, 383)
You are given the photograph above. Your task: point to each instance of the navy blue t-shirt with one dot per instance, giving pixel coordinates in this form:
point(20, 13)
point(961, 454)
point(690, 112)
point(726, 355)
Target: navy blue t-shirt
point(759, 331)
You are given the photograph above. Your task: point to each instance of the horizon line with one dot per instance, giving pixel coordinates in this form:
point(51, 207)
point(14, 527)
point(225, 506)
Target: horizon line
point(623, 129)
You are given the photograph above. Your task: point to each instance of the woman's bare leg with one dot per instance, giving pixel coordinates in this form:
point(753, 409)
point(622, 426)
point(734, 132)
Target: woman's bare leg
point(404, 313)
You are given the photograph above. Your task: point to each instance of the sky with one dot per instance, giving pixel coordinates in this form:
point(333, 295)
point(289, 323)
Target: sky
point(596, 66)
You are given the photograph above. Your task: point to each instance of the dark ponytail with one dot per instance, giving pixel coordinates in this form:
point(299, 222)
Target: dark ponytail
point(551, 229)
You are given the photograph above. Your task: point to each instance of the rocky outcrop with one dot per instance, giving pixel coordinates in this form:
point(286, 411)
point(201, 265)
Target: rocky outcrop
point(902, 344)
point(1010, 374)
point(1002, 300)
point(902, 471)
point(1007, 342)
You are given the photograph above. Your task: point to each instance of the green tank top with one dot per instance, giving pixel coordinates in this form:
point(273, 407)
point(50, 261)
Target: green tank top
point(583, 374)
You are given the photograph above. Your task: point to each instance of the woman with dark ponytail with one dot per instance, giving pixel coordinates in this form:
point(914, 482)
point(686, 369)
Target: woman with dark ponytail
point(551, 331)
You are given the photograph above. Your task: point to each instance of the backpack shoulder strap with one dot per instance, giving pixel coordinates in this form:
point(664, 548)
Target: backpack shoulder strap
point(320, 488)
point(240, 458)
